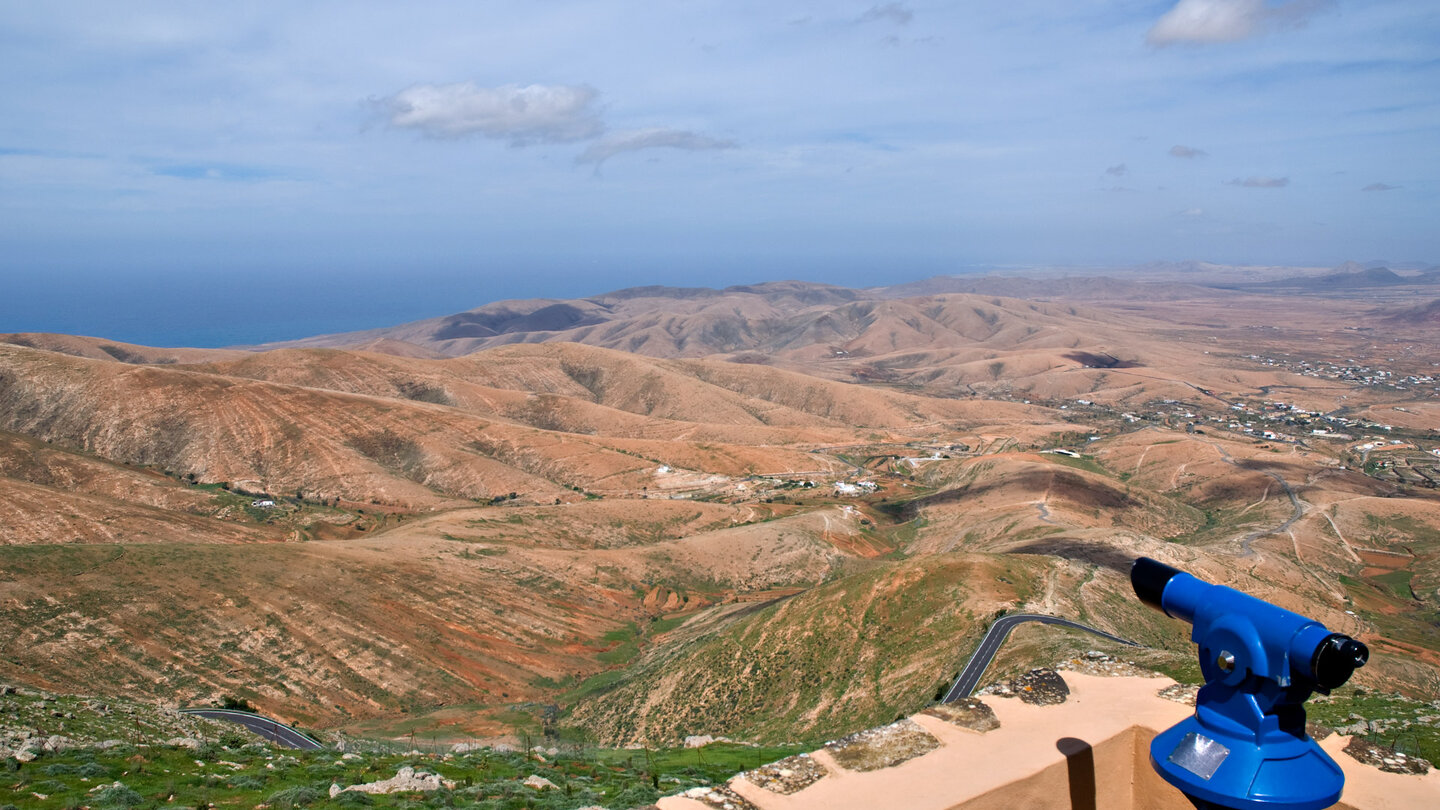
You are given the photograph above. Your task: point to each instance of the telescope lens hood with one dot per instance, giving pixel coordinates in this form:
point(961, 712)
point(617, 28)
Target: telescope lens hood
point(1149, 578)
point(1336, 659)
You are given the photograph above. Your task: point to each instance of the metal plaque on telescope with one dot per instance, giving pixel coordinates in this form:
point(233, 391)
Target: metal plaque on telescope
point(1199, 755)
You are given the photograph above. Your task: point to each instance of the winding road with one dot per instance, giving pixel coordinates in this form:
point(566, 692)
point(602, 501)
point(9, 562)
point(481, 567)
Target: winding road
point(272, 730)
point(1283, 527)
point(975, 668)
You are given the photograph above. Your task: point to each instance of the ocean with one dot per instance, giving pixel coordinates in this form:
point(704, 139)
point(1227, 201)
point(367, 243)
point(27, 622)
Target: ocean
point(229, 309)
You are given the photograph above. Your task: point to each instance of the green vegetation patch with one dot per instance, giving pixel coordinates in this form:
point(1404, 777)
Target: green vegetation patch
point(160, 776)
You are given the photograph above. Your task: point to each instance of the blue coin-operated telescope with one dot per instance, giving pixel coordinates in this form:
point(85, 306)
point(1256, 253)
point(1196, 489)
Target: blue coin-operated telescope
point(1245, 748)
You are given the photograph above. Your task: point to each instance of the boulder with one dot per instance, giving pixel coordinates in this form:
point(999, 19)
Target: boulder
point(971, 713)
point(407, 779)
point(539, 783)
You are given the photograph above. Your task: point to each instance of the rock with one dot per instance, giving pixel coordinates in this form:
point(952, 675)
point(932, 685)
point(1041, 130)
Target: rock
point(720, 797)
point(406, 779)
point(788, 775)
point(185, 742)
point(351, 757)
point(1040, 687)
point(882, 747)
point(463, 748)
point(971, 713)
point(1363, 750)
point(335, 790)
point(57, 743)
point(698, 740)
point(504, 748)
point(108, 744)
point(1180, 693)
point(25, 755)
point(539, 783)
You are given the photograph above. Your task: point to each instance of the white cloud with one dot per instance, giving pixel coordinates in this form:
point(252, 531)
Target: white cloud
point(890, 12)
point(1209, 21)
point(1186, 151)
point(1259, 182)
point(1118, 170)
point(1379, 187)
point(533, 113)
point(612, 145)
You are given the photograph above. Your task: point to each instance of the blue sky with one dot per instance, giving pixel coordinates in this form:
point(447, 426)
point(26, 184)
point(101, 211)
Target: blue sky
point(571, 147)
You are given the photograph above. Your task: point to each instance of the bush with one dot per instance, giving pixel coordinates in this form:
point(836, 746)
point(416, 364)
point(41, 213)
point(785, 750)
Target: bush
point(248, 781)
point(353, 798)
point(118, 796)
point(91, 770)
point(234, 739)
point(301, 796)
point(12, 765)
point(635, 796)
point(60, 769)
point(209, 751)
point(47, 786)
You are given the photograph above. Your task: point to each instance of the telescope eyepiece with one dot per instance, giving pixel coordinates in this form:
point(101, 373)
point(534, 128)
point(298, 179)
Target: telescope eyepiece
point(1336, 659)
point(1149, 577)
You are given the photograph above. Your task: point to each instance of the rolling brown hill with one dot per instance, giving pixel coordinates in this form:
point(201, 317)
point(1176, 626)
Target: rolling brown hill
point(102, 349)
point(764, 510)
point(1123, 345)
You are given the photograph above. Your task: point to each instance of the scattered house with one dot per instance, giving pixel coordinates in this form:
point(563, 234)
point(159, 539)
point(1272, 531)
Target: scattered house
point(842, 488)
point(263, 503)
point(662, 469)
point(1435, 452)
point(1060, 451)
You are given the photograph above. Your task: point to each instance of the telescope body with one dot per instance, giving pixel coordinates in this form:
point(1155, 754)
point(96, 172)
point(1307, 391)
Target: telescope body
point(1246, 746)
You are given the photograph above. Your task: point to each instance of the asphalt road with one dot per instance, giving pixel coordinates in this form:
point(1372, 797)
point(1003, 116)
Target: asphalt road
point(272, 730)
point(989, 645)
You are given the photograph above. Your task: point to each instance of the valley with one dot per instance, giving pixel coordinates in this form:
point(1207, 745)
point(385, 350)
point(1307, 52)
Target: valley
point(775, 513)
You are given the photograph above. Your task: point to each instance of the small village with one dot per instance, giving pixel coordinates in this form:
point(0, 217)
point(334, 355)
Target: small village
point(1354, 372)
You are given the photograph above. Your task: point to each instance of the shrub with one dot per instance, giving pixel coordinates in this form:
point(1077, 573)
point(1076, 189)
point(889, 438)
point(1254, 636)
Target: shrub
point(635, 796)
point(248, 781)
point(300, 796)
point(118, 796)
point(92, 770)
point(353, 798)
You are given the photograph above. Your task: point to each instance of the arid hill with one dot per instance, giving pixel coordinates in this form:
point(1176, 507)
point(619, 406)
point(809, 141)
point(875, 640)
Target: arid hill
point(776, 511)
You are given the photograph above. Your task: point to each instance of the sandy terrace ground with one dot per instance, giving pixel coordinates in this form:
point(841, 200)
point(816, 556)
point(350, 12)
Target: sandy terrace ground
point(1089, 752)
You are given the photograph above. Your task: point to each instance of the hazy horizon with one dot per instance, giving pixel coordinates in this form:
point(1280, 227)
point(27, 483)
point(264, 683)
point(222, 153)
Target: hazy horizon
point(215, 310)
point(593, 146)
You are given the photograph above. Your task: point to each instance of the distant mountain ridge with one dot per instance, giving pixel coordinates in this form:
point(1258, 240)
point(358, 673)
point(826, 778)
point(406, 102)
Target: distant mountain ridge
point(1350, 277)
